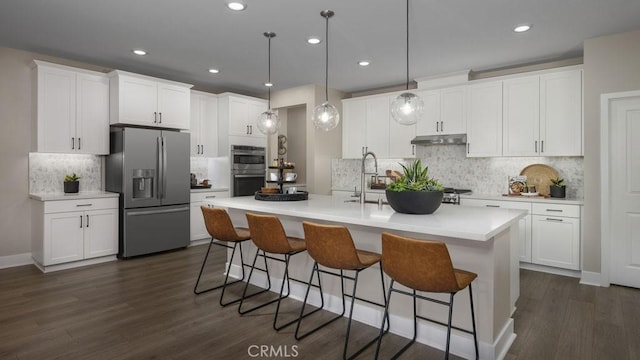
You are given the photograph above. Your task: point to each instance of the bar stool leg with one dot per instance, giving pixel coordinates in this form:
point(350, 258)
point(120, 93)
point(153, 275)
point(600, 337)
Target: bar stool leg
point(446, 354)
point(246, 286)
point(385, 319)
point(280, 297)
point(204, 262)
point(473, 323)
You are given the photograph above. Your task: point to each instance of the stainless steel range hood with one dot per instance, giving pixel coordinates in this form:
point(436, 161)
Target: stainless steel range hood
point(452, 139)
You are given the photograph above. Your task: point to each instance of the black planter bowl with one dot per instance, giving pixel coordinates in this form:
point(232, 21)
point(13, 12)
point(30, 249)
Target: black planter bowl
point(558, 191)
point(414, 202)
point(71, 186)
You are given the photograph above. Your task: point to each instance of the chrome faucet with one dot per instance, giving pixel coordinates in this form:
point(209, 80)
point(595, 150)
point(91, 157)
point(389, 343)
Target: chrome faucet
point(363, 173)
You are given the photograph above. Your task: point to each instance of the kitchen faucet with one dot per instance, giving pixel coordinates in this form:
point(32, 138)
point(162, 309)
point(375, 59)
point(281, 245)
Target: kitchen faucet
point(363, 173)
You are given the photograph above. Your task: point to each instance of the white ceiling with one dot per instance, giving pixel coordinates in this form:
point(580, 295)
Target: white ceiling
point(184, 38)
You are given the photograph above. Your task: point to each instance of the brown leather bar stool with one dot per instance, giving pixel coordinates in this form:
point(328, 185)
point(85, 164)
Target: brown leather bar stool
point(223, 233)
point(332, 247)
point(270, 238)
point(424, 265)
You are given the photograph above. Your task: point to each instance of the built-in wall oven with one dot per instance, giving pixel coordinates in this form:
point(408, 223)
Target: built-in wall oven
point(247, 169)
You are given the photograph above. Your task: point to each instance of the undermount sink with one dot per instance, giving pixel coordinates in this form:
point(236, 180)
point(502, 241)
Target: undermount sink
point(384, 202)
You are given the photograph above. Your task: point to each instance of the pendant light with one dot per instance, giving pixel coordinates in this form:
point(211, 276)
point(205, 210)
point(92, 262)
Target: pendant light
point(268, 121)
point(325, 116)
point(407, 108)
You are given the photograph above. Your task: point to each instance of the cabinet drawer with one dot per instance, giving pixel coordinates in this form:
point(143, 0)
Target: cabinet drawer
point(57, 206)
point(204, 196)
point(557, 210)
point(518, 205)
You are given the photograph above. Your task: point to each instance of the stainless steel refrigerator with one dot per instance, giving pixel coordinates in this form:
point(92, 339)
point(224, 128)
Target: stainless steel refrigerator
point(150, 169)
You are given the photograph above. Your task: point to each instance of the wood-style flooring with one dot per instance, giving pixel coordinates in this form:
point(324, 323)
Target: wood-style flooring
point(144, 308)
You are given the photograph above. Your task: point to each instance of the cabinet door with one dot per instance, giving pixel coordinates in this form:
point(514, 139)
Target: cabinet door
point(209, 126)
point(63, 237)
point(137, 101)
point(254, 109)
point(561, 114)
point(194, 126)
point(484, 120)
point(100, 233)
point(238, 116)
point(521, 108)
point(453, 110)
point(377, 126)
point(56, 110)
point(556, 241)
point(173, 106)
point(92, 126)
point(353, 128)
point(198, 229)
point(524, 231)
point(430, 122)
point(400, 137)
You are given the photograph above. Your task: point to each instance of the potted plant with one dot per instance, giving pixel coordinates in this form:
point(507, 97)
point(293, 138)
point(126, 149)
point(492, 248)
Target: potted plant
point(557, 188)
point(71, 183)
point(414, 192)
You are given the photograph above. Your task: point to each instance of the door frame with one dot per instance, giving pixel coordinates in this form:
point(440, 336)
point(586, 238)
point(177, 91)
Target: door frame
point(605, 188)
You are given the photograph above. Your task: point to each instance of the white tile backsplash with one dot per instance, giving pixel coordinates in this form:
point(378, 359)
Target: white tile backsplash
point(449, 164)
point(47, 171)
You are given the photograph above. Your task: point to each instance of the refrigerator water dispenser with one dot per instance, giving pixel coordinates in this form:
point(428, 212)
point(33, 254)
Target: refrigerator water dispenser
point(143, 183)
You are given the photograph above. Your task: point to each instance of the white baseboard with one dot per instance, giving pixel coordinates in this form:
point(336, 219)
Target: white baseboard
point(593, 279)
point(15, 260)
point(75, 264)
point(550, 270)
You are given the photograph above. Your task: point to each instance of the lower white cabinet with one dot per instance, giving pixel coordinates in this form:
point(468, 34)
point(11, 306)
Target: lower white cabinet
point(198, 229)
point(73, 230)
point(556, 235)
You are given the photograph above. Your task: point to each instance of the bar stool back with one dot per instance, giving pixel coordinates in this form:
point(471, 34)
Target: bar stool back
point(425, 265)
point(332, 246)
point(220, 227)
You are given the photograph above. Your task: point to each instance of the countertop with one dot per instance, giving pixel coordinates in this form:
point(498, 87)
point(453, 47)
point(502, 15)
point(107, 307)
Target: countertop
point(74, 196)
point(211, 189)
point(537, 199)
point(470, 223)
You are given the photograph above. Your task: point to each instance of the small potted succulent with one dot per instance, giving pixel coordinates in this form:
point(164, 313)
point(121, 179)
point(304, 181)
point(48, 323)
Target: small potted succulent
point(415, 192)
point(71, 183)
point(557, 189)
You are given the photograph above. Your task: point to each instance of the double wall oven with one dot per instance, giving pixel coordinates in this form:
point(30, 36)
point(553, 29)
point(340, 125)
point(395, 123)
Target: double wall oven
point(247, 169)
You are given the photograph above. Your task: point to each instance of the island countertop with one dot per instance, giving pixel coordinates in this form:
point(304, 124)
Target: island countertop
point(479, 224)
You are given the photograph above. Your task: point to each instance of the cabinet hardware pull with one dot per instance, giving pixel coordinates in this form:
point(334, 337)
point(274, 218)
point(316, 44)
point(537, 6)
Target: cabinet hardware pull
point(79, 205)
point(437, 126)
point(251, 128)
point(541, 146)
point(160, 118)
point(201, 149)
point(79, 143)
point(554, 210)
point(413, 149)
point(493, 206)
point(552, 219)
point(442, 126)
point(155, 117)
point(247, 132)
point(80, 221)
point(536, 146)
point(468, 147)
point(210, 197)
point(73, 143)
point(87, 220)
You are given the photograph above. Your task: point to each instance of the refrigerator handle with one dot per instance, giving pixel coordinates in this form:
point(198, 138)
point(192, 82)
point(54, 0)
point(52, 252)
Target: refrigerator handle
point(160, 168)
point(164, 166)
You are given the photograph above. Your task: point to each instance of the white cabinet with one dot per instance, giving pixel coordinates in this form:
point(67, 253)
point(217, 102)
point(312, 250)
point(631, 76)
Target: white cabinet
point(71, 110)
point(74, 230)
point(147, 101)
point(204, 124)
point(556, 235)
point(484, 119)
point(543, 114)
point(237, 119)
point(367, 126)
point(198, 229)
point(444, 111)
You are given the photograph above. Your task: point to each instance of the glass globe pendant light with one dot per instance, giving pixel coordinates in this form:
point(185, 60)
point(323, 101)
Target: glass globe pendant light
point(407, 108)
point(325, 116)
point(269, 121)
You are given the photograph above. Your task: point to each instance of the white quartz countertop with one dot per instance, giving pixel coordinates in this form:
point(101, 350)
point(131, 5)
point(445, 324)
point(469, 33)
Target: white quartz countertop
point(73, 196)
point(537, 199)
point(211, 189)
point(454, 221)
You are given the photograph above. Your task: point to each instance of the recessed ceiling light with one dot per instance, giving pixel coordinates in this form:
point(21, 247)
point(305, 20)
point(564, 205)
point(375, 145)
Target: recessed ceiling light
point(236, 5)
point(214, 71)
point(364, 63)
point(313, 40)
point(522, 28)
point(139, 52)
point(268, 84)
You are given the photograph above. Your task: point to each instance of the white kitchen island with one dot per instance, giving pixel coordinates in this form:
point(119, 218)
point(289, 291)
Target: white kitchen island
point(479, 240)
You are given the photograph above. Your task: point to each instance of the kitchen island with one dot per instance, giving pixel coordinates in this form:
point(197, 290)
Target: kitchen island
point(478, 239)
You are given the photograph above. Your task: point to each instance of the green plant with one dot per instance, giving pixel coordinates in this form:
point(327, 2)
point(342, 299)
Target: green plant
point(557, 181)
point(71, 178)
point(415, 178)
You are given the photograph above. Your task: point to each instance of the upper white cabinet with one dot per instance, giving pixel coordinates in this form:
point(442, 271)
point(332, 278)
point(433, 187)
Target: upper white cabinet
point(444, 111)
point(543, 115)
point(367, 126)
point(71, 110)
point(237, 121)
point(484, 119)
point(204, 124)
point(146, 101)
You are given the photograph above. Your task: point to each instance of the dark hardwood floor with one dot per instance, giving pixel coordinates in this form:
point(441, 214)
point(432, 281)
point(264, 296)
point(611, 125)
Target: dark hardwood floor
point(144, 308)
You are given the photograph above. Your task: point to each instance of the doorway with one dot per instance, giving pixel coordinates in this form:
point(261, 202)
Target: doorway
point(620, 163)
